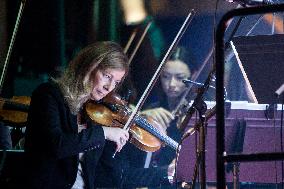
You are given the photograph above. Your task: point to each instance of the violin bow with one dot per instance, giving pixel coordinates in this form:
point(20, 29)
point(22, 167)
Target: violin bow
point(140, 41)
point(131, 38)
point(159, 69)
point(12, 42)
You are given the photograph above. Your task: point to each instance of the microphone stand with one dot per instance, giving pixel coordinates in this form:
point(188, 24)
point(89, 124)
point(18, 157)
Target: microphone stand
point(202, 138)
point(199, 105)
point(201, 108)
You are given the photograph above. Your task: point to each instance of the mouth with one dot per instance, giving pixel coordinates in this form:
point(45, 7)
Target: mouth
point(172, 93)
point(101, 93)
point(97, 95)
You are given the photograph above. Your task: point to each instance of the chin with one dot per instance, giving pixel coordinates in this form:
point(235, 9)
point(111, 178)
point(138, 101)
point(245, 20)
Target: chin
point(96, 97)
point(172, 95)
point(99, 98)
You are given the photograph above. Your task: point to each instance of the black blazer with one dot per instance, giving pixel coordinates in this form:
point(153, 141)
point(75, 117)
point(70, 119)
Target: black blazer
point(121, 172)
point(52, 143)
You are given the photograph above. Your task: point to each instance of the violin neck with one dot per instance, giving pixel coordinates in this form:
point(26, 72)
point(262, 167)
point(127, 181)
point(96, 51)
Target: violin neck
point(143, 123)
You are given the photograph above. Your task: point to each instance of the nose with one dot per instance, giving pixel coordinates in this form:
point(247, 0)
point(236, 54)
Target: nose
point(109, 86)
point(172, 82)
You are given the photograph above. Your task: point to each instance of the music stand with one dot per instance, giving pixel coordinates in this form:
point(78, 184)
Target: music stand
point(262, 59)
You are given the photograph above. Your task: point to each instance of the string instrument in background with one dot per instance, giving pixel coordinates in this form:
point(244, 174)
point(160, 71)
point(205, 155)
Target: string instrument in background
point(14, 111)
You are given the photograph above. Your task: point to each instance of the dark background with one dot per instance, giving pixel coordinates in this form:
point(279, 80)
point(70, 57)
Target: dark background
point(51, 32)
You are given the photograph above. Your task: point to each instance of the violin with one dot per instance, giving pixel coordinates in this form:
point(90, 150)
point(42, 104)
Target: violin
point(14, 111)
point(145, 134)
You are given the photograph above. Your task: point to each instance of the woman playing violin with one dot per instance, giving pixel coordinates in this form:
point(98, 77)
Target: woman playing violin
point(177, 68)
point(57, 139)
point(180, 66)
point(63, 147)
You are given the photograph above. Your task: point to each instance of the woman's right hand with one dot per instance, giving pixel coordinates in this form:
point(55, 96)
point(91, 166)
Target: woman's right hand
point(117, 135)
point(161, 115)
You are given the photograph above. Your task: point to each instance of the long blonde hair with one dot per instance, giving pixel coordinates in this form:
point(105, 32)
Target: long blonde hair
point(75, 81)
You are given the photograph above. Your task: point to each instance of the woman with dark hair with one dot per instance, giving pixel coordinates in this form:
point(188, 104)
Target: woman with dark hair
point(180, 66)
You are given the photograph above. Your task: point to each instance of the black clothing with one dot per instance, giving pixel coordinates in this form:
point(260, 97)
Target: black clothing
point(108, 175)
point(5, 137)
point(163, 157)
point(53, 143)
point(132, 160)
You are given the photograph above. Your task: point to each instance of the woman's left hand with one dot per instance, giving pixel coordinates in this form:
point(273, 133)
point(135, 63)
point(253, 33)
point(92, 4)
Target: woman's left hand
point(117, 135)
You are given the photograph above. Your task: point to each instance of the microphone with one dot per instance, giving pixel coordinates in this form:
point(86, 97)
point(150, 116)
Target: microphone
point(251, 2)
point(187, 82)
point(280, 90)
